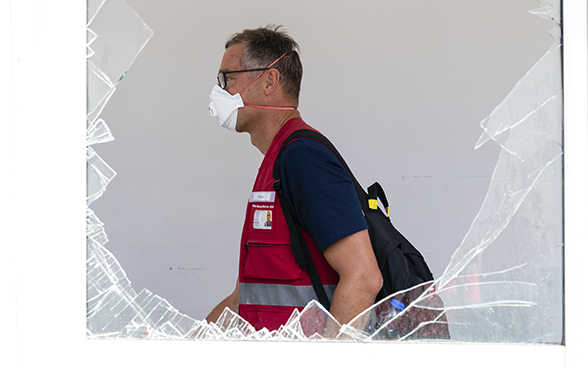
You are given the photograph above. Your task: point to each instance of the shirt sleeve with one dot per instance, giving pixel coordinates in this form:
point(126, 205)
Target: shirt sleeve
point(320, 192)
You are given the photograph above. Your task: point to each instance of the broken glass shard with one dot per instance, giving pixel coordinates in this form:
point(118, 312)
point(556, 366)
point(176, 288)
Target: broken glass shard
point(100, 89)
point(533, 117)
point(114, 309)
point(99, 175)
point(90, 37)
point(121, 35)
point(98, 132)
point(93, 8)
point(549, 10)
point(95, 228)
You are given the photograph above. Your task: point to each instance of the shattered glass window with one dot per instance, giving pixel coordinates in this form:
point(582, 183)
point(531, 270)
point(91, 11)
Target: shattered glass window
point(504, 283)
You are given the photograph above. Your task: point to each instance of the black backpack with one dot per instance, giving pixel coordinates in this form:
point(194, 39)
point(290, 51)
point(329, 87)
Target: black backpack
point(401, 264)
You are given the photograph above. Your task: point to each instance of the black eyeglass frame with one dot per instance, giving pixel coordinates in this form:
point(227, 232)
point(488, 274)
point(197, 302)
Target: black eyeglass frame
point(222, 82)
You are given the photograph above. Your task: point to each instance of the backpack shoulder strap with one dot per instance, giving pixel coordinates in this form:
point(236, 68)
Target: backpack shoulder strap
point(298, 245)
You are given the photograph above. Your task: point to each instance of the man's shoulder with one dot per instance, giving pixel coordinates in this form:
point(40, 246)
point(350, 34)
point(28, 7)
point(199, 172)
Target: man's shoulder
point(302, 148)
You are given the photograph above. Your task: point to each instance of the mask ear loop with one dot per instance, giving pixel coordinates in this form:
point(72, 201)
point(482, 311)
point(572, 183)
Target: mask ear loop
point(259, 75)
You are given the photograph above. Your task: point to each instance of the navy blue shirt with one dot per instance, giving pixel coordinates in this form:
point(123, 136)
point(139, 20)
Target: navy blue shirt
point(320, 192)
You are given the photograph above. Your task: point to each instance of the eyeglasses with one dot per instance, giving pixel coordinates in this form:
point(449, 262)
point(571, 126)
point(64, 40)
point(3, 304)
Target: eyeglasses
point(222, 76)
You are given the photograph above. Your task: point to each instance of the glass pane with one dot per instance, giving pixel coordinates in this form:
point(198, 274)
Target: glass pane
point(504, 282)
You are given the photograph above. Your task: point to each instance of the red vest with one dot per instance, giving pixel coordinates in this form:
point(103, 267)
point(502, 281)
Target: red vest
point(271, 284)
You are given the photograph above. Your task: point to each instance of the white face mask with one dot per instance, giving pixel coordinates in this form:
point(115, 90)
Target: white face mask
point(225, 106)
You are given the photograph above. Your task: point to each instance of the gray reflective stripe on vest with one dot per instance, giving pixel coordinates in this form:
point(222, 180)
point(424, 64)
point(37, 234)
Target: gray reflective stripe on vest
point(285, 295)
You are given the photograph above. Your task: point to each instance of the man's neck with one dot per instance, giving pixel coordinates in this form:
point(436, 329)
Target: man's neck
point(263, 136)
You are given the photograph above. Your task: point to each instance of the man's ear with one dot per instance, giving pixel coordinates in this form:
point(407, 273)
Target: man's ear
point(272, 81)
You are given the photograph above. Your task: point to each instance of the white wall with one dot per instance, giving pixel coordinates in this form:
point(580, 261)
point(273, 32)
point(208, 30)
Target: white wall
point(398, 86)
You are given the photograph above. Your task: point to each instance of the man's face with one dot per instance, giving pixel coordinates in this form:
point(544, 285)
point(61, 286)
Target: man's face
point(236, 82)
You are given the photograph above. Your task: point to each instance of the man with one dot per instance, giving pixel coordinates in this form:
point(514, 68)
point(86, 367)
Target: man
point(268, 219)
point(257, 92)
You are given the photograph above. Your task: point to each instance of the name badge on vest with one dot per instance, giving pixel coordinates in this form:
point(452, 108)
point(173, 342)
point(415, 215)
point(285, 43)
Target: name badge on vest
point(262, 197)
point(262, 219)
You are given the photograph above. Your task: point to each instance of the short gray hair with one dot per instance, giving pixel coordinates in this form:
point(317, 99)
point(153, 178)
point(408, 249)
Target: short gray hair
point(266, 44)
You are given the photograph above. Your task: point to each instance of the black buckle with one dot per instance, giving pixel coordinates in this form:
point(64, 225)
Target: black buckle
point(278, 187)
